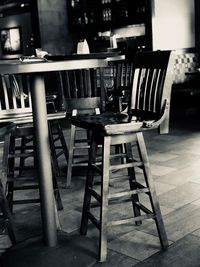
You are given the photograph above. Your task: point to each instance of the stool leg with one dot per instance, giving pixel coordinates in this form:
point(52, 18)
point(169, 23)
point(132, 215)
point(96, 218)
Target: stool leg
point(71, 154)
point(10, 172)
point(55, 129)
point(132, 183)
point(62, 140)
point(152, 194)
point(7, 215)
point(88, 185)
point(104, 199)
point(22, 160)
point(56, 191)
point(53, 149)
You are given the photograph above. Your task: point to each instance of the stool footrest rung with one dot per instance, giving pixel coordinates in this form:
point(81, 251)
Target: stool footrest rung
point(22, 178)
point(26, 201)
point(94, 194)
point(80, 164)
point(30, 147)
point(120, 177)
point(131, 220)
point(96, 168)
point(142, 207)
point(59, 153)
point(128, 193)
point(58, 147)
point(57, 138)
point(20, 155)
point(93, 219)
point(140, 186)
point(126, 165)
point(120, 155)
point(81, 147)
point(26, 187)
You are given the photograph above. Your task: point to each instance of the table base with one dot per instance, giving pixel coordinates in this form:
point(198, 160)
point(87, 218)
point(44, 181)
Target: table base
point(72, 250)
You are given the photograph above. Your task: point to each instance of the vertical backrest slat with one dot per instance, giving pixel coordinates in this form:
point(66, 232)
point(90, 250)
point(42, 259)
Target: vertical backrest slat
point(134, 89)
point(87, 80)
point(73, 84)
point(5, 92)
point(154, 87)
point(19, 90)
point(29, 99)
point(12, 93)
point(80, 79)
point(145, 93)
point(160, 89)
point(65, 82)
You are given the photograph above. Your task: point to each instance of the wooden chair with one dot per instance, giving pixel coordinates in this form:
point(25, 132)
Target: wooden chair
point(6, 220)
point(118, 86)
point(148, 108)
point(82, 94)
point(19, 147)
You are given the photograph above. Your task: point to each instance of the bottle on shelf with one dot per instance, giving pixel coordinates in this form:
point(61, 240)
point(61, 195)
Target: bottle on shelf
point(82, 47)
point(85, 18)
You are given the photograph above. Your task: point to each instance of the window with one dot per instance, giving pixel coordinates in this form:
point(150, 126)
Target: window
point(11, 41)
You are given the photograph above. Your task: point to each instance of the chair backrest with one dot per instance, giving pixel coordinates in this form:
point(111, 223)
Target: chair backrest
point(151, 84)
point(15, 97)
point(82, 90)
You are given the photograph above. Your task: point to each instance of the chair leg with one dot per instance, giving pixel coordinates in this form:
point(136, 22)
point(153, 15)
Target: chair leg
point(10, 172)
point(70, 157)
point(7, 217)
point(104, 199)
point(136, 188)
point(132, 183)
point(88, 186)
point(152, 194)
point(56, 190)
point(9, 166)
point(22, 160)
point(56, 134)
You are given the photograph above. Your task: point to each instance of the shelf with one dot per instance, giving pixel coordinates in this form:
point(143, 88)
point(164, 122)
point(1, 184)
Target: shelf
point(101, 15)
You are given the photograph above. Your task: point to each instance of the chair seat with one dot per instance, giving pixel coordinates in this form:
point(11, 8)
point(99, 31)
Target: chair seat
point(109, 123)
point(6, 127)
point(23, 118)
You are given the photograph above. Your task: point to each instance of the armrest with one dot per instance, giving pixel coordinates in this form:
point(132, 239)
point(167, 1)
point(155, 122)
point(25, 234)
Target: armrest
point(156, 123)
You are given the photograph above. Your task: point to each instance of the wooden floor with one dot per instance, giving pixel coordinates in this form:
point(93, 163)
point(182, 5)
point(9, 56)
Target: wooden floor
point(175, 162)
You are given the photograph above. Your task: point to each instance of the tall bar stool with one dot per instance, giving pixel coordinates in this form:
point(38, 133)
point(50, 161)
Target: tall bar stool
point(19, 147)
point(148, 109)
point(6, 220)
point(81, 95)
point(89, 92)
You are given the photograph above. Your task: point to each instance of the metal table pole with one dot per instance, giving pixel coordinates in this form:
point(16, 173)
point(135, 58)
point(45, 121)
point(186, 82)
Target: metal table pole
point(43, 159)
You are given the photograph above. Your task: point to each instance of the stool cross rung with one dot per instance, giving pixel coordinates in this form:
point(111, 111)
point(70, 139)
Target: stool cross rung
point(94, 194)
point(131, 220)
point(142, 207)
point(94, 166)
point(126, 165)
point(127, 193)
point(93, 219)
point(20, 155)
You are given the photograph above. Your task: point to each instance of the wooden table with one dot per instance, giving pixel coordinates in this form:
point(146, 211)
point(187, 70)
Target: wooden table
point(36, 69)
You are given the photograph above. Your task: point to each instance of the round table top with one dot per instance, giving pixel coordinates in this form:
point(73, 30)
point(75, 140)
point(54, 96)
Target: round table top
point(34, 65)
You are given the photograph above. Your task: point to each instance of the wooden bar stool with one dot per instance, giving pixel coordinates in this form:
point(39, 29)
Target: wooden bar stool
point(148, 109)
point(6, 220)
point(19, 146)
point(81, 95)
